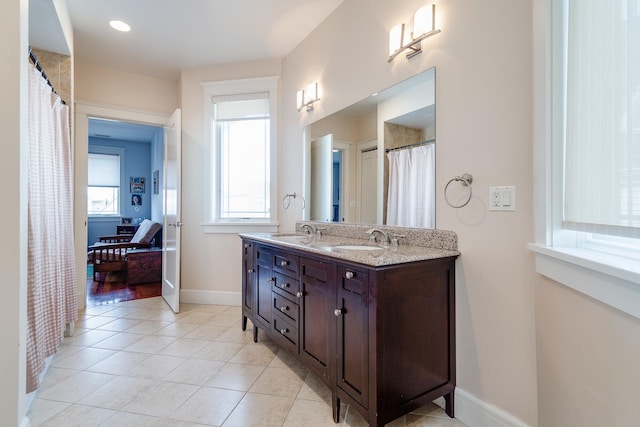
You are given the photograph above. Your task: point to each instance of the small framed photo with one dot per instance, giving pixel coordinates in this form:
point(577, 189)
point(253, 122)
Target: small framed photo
point(156, 177)
point(136, 184)
point(126, 220)
point(136, 200)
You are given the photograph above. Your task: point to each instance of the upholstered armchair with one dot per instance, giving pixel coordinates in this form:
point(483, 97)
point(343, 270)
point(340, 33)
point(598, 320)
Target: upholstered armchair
point(110, 253)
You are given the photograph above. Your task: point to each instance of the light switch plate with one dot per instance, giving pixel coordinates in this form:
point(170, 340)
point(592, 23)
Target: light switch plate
point(502, 198)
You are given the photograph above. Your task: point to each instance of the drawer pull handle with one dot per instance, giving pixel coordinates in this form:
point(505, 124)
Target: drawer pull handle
point(284, 308)
point(284, 331)
point(284, 285)
point(349, 275)
point(299, 294)
point(337, 312)
point(284, 263)
point(246, 245)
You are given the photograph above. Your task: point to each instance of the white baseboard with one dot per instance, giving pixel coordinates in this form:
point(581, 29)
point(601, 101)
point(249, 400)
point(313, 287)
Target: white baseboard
point(475, 413)
point(188, 296)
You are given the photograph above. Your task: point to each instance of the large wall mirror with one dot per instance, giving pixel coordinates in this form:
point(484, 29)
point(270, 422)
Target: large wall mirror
point(374, 162)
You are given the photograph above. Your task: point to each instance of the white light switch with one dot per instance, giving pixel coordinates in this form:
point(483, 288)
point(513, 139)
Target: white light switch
point(502, 198)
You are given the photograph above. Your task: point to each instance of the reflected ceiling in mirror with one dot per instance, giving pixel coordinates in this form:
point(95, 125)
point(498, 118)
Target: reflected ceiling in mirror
point(348, 173)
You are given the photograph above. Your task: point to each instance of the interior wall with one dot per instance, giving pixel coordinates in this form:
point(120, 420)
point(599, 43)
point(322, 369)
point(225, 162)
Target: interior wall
point(483, 127)
point(58, 68)
point(13, 172)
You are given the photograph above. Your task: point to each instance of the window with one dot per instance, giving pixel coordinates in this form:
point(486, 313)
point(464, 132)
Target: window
point(588, 142)
point(104, 177)
point(241, 135)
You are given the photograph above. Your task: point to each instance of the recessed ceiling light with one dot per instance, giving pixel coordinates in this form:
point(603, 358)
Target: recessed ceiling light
point(120, 26)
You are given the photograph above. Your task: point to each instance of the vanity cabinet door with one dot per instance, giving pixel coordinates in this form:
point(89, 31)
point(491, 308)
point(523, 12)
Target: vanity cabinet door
point(317, 295)
point(264, 280)
point(352, 313)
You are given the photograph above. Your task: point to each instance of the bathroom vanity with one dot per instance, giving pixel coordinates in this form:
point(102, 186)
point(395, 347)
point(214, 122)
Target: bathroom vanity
point(376, 322)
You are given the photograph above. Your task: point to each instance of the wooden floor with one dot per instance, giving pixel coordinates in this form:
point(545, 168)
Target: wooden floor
point(114, 288)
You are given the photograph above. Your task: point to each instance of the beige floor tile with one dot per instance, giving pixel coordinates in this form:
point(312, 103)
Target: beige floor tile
point(119, 363)
point(236, 377)
point(177, 423)
point(279, 382)
point(156, 366)
point(184, 347)
point(82, 359)
point(220, 351)
point(225, 318)
point(120, 325)
point(98, 310)
point(118, 393)
point(125, 419)
point(194, 371)
point(314, 389)
point(119, 341)
point(259, 410)
point(41, 410)
point(254, 354)
point(79, 416)
point(141, 314)
point(309, 413)
point(148, 327)
point(121, 311)
point(88, 338)
point(195, 317)
point(162, 399)
point(66, 350)
point(93, 322)
point(74, 388)
point(56, 376)
point(284, 359)
point(176, 329)
point(209, 406)
point(417, 420)
point(164, 316)
point(207, 332)
point(150, 344)
point(235, 335)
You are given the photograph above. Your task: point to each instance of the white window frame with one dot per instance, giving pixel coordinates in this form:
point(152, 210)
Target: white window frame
point(233, 87)
point(611, 279)
point(114, 151)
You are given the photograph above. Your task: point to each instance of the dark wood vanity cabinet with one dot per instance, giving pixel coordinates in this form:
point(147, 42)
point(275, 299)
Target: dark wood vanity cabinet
point(381, 338)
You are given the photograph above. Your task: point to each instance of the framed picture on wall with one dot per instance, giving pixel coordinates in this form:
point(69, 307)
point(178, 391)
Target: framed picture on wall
point(156, 177)
point(136, 200)
point(137, 184)
point(127, 220)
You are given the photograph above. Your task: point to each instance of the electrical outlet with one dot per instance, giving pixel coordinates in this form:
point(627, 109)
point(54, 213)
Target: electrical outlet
point(502, 198)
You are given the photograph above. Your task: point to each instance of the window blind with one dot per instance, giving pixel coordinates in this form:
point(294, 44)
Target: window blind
point(104, 170)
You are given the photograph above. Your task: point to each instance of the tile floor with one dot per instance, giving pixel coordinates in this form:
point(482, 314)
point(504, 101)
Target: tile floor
point(136, 363)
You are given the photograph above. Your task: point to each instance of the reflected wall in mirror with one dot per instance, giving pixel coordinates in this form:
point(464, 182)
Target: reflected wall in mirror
point(374, 161)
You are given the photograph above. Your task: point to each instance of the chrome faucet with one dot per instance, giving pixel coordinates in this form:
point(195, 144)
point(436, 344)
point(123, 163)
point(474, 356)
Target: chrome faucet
point(383, 235)
point(310, 229)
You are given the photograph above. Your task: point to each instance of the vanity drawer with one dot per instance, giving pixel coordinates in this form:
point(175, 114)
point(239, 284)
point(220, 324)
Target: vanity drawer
point(285, 263)
point(286, 285)
point(284, 333)
point(285, 307)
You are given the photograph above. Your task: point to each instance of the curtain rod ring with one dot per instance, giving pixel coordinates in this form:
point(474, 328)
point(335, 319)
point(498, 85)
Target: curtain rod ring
point(466, 180)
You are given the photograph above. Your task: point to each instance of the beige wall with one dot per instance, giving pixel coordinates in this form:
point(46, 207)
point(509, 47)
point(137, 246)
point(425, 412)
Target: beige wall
point(59, 72)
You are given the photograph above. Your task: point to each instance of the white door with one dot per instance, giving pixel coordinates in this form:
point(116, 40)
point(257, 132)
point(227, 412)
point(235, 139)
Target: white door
point(171, 212)
point(321, 179)
point(368, 187)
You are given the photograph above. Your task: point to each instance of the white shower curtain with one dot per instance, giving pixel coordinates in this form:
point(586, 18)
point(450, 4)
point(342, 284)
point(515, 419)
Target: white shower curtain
point(51, 289)
point(411, 195)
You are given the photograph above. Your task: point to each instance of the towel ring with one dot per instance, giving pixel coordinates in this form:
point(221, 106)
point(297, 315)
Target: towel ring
point(466, 180)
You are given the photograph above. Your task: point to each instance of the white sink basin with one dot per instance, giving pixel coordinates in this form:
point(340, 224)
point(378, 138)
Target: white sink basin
point(358, 248)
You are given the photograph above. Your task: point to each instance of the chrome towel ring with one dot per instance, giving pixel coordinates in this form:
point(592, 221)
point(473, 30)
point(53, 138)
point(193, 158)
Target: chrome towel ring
point(466, 180)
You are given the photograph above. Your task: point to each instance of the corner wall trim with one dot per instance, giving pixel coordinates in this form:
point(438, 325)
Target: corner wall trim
point(474, 412)
point(188, 296)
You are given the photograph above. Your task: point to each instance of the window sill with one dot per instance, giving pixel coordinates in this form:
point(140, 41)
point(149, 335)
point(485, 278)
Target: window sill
point(239, 227)
point(609, 279)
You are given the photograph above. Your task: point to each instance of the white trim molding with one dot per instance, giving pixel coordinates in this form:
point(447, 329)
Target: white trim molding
point(188, 296)
point(474, 412)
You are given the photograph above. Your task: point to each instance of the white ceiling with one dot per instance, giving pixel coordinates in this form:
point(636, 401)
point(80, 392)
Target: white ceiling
point(170, 35)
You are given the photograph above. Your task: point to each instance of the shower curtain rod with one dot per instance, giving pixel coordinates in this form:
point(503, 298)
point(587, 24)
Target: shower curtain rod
point(416, 144)
point(34, 60)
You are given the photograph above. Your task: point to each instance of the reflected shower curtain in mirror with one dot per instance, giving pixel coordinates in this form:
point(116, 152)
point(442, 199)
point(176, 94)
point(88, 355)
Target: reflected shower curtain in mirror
point(51, 288)
point(411, 196)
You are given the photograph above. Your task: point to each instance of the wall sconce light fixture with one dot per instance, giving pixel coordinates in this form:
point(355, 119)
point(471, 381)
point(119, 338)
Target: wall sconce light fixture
point(306, 97)
point(424, 25)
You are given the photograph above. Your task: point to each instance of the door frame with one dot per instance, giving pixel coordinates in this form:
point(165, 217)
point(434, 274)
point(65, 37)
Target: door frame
point(83, 111)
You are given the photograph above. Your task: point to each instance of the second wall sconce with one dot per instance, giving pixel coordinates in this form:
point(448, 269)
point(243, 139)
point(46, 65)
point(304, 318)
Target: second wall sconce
point(306, 97)
point(424, 25)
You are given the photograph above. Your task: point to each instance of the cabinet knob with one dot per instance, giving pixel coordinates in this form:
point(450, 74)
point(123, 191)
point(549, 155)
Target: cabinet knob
point(299, 294)
point(349, 275)
point(284, 285)
point(337, 312)
point(284, 331)
point(250, 270)
point(271, 279)
point(284, 308)
point(246, 245)
point(284, 263)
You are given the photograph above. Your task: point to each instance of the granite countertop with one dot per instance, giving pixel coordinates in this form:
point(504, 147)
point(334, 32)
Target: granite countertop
point(354, 249)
